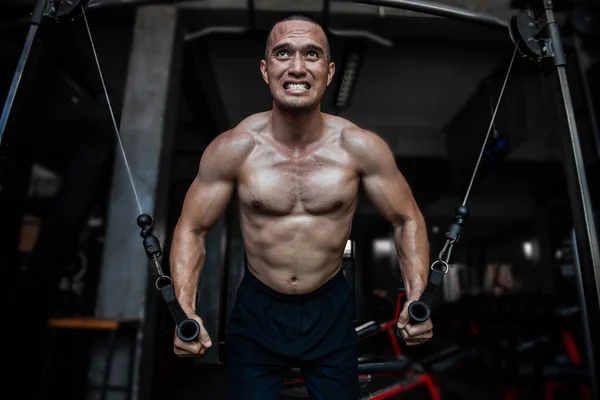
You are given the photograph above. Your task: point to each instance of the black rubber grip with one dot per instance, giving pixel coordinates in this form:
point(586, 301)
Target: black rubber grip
point(187, 329)
point(419, 312)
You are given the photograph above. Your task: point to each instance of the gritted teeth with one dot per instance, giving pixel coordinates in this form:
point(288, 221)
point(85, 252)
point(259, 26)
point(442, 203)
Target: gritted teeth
point(296, 86)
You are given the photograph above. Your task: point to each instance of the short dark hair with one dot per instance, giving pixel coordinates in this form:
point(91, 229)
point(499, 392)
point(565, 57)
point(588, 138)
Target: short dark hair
point(297, 17)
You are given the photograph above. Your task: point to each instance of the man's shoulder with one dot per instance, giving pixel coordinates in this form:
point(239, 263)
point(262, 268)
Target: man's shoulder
point(354, 138)
point(241, 138)
point(244, 133)
point(253, 123)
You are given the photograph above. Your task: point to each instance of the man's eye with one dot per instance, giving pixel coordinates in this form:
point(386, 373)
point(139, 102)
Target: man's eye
point(281, 53)
point(312, 54)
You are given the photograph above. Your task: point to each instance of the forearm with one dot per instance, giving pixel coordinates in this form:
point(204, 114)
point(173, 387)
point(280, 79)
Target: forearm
point(187, 260)
point(412, 247)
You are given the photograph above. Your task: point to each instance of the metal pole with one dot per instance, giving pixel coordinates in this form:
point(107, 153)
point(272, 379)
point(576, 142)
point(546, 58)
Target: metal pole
point(36, 20)
point(582, 61)
point(579, 194)
point(585, 319)
point(443, 10)
point(583, 218)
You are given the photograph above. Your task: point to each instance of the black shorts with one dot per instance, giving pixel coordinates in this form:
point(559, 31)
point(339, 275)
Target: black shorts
point(268, 332)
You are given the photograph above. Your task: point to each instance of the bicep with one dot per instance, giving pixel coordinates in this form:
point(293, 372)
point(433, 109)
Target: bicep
point(205, 200)
point(392, 196)
point(212, 188)
point(387, 188)
point(209, 192)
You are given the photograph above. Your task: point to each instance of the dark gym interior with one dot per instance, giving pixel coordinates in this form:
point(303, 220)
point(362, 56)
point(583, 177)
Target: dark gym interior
point(519, 308)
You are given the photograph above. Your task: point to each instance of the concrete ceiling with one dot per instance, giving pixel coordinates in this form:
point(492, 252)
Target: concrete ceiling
point(407, 94)
point(418, 85)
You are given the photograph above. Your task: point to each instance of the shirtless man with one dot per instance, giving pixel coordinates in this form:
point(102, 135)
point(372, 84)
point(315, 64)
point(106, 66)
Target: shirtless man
point(297, 173)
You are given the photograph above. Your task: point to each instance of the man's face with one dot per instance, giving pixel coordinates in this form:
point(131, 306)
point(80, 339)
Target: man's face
point(297, 68)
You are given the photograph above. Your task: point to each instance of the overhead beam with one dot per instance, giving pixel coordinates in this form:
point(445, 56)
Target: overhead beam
point(443, 9)
point(494, 8)
point(348, 19)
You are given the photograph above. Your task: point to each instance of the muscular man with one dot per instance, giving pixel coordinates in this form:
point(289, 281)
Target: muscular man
point(297, 173)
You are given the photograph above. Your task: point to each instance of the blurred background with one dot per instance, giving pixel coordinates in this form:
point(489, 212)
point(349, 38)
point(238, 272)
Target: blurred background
point(520, 303)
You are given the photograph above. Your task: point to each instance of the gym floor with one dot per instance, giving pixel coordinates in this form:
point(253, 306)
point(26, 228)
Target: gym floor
point(194, 384)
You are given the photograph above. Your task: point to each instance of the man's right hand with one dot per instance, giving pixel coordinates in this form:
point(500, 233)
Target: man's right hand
point(196, 348)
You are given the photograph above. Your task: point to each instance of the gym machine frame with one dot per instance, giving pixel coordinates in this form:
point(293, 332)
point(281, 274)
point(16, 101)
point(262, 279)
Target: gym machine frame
point(536, 35)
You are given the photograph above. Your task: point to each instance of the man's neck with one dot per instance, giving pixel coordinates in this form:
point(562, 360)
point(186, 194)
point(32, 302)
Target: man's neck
point(296, 129)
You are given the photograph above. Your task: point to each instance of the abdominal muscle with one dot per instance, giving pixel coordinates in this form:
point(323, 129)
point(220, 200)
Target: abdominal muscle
point(294, 254)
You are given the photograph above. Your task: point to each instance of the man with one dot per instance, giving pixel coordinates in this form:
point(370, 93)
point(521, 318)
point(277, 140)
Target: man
point(296, 172)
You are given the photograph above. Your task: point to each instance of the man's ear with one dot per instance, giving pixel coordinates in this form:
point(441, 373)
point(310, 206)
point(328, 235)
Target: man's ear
point(331, 72)
point(263, 71)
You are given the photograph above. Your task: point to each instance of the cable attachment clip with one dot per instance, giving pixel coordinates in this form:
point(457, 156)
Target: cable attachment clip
point(460, 215)
point(452, 235)
point(150, 242)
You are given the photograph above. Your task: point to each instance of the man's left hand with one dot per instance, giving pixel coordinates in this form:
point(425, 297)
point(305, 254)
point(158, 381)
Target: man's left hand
point(414, 334)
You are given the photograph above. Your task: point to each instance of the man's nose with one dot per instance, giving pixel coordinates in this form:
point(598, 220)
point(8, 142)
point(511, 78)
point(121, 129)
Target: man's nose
point(297, 67)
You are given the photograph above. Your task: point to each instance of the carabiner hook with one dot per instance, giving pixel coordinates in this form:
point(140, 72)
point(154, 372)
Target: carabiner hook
point(446, 250)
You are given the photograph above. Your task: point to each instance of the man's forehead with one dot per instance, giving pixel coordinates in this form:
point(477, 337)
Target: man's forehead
point(297, 29)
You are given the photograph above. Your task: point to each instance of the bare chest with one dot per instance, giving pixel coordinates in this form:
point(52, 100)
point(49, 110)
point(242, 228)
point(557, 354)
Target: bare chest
point(318, 183)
